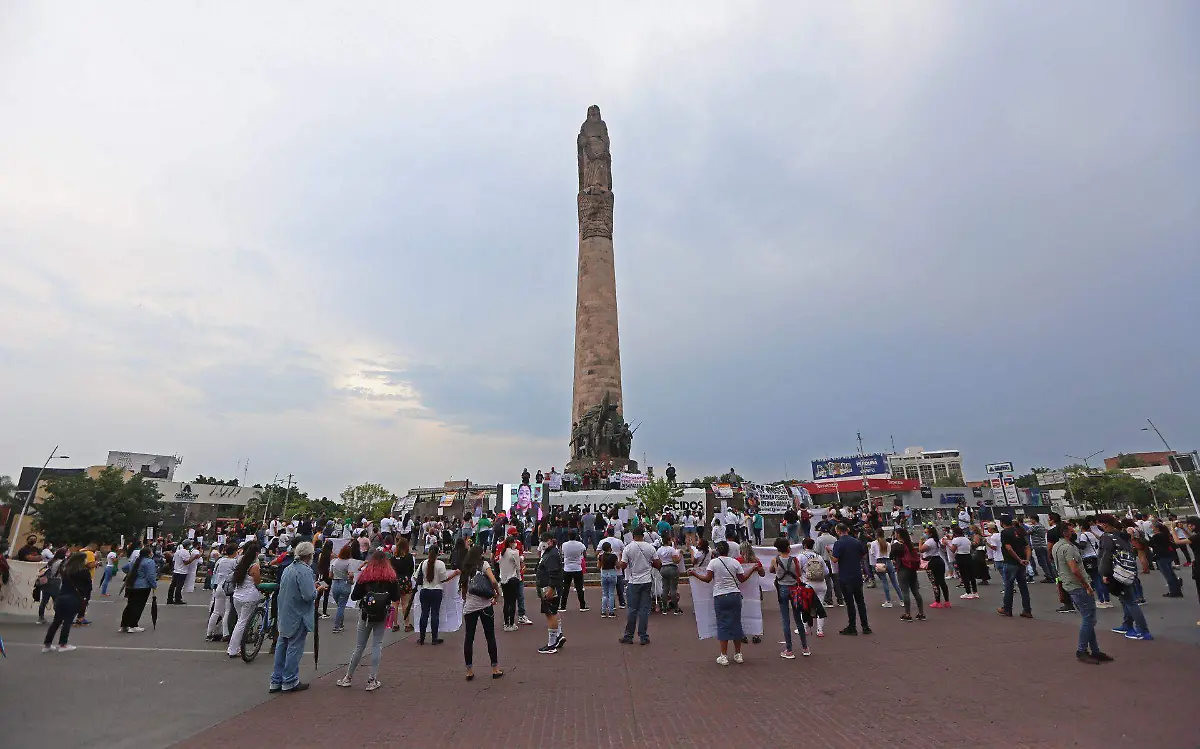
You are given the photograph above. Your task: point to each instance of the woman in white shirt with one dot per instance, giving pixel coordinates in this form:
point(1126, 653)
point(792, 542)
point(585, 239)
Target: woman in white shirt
point(960, 546)
point(511, 577)
point(931, 552)
point(725, 573)
point(819, 585)
point(671, 560)
point(218, 626)
point(246, 577)
point(879, 551)
point(430, 576)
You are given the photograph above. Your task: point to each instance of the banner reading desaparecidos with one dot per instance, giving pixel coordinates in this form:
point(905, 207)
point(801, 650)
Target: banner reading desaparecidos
point(605, 502)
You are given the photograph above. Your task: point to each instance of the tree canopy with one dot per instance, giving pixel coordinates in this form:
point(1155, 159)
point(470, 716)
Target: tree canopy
point(1111, 490)
point(366, 500)
point(202, 479)
point(1129, 461)
point(80, 510)
point(657, 495)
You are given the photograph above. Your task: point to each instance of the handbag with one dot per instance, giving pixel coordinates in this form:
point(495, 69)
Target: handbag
point(481, 586)
point(881, 568)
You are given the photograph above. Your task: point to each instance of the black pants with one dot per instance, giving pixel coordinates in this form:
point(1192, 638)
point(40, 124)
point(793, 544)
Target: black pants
point(66, 606)
point(511, 590)
point(937, 573)
point(175, 592)
point(488, 618)
point(568, 578)
point(134, 606)
point(323, 598)
point(832, 588)
point(966, 568)
point(1187, 554)
point(853, 591)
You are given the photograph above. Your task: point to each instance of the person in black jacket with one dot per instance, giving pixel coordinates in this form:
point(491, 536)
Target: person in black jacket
point(1114, 543)
point(549, 582)
point(375, 590)
point(76, 588)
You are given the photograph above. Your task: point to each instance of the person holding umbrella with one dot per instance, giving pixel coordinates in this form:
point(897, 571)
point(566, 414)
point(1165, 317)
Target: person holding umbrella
point(297, 597)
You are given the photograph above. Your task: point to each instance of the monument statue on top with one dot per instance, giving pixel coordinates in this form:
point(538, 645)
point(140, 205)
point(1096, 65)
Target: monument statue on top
point(599, 432)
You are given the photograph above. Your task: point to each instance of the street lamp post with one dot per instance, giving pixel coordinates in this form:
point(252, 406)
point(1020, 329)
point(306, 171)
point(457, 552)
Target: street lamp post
point(1186, 483)
point(12, 544)
point(1071, 491)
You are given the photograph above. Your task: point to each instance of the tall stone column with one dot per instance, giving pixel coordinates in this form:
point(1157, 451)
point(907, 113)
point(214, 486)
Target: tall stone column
point(599, 432)
point(597, 344)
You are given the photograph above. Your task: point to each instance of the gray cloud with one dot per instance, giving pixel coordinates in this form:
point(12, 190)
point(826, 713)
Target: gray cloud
point(961, 226)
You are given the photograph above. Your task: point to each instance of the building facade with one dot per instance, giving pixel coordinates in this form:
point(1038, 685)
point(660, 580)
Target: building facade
point(926, 466)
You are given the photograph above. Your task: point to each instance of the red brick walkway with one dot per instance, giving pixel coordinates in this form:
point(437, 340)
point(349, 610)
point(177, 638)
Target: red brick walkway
point(964, 678)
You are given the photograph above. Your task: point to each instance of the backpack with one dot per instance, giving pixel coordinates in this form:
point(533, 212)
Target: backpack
point(375, 606)
point(814, 569)
point(1125, 568)
point(805, 516)
point(910, 559)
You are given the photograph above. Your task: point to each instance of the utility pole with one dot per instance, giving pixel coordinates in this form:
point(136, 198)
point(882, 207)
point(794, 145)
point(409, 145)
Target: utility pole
point(1186, 483)
point(287, 496)
point(860, 452)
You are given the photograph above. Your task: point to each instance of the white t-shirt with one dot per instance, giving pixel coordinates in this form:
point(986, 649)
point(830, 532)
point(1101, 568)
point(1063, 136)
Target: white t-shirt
point(573, 552)
point(930, 549)
point(689, 522)
point(182, 559)
point(637, 556)
point(613, 543)
point(247, 591)
point(668, 555)
point(995, 553)
point(875, 553)
point(222, 570)
point(112, 559)
point(510, 565)
point(964, 518)
point(725, 571)
point(387, 525)
point(439, 574)
point(960, 545)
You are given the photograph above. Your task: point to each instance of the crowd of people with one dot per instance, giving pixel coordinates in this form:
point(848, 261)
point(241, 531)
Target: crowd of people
point(819, 563)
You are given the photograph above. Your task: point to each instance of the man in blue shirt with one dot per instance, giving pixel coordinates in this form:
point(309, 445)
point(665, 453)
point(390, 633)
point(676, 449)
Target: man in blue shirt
point(848, 552)
point(297, 591)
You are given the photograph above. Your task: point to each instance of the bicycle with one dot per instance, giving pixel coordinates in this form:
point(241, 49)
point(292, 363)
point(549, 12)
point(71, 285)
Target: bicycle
point(261, 624)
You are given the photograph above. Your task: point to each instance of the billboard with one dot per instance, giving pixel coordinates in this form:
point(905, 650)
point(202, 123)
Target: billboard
point(208, 494)
point(858, 465)
point(144, 464)
point(519, 499)
point(768, 500)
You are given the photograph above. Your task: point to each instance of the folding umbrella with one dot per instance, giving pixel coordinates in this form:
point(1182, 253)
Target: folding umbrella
point(154, 611)
point(316, 632)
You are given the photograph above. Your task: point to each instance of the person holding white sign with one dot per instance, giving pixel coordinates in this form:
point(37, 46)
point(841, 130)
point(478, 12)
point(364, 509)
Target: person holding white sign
point(726, 575)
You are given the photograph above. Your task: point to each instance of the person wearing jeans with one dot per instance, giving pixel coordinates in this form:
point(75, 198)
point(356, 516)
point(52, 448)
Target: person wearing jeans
point(786, 569)
point(1074, 580)
point(637, 559)
point(76, 587)
point(376, 589)
point(883, 568)
point(110, 569)
point(297, 595)
point(1015, 550)
point(1113, 543)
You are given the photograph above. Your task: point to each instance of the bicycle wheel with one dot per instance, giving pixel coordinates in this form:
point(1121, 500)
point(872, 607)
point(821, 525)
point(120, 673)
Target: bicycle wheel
point(253, 639)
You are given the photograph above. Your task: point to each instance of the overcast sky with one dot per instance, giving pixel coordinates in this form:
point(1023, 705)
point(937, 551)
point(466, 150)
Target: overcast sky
point(341, 242)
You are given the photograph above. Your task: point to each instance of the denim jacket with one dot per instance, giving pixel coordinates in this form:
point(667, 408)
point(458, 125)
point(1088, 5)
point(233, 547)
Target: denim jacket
point(297, 591)
point(147, 574)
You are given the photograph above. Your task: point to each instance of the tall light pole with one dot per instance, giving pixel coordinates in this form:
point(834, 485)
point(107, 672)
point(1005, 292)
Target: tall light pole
point(12, 544)
point(1066, 475)
point(1186, 483)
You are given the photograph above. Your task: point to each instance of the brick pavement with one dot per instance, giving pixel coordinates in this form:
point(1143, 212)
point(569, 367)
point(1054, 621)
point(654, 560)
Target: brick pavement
point(965, 677)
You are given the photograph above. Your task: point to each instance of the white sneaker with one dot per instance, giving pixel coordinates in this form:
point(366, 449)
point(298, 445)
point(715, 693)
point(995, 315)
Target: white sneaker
point(722, 660)
point(524, 620)
point(137, 629)
point(49, 649)
point(737, 658)
point(373, 684)
point(123, 631)
point(66, 648)
point(965, 596)
point(343, 682)
point(887, 604)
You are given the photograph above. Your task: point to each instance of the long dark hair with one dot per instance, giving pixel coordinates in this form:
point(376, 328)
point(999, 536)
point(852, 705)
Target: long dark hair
point(325, 558)
point(143, 554)
point(472, 564)
point(76, 563)
point(430, 560)
point(248, 560)
point(902, 534)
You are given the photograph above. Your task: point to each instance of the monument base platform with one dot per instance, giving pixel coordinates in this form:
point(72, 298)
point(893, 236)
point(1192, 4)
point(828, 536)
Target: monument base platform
point(621, 464)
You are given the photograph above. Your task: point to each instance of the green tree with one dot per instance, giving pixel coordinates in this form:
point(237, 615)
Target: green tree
point(1129, 461)
point(361, 501)
point(277, 499)
point(954, 479)
point(657, 495)
point(202, 479)
point(1111, 490)
point(81, 510)
point(8, 493)
point(1169, 488)
point(705, 482)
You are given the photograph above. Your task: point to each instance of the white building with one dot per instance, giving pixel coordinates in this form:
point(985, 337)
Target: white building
point(927, 466)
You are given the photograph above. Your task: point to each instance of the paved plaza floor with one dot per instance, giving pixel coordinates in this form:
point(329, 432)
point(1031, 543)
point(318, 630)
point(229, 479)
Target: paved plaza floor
point(966, 677)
